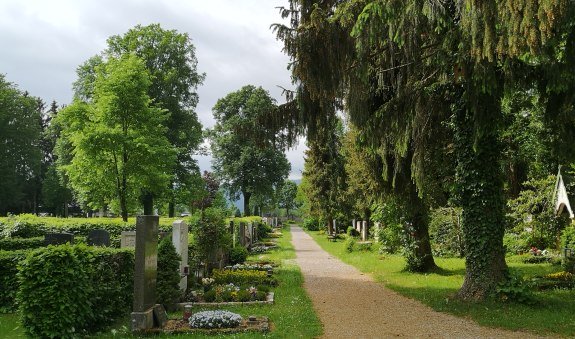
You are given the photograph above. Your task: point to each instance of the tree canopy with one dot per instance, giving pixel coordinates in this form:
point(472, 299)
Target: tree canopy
point(247, 157)
point(117, 140)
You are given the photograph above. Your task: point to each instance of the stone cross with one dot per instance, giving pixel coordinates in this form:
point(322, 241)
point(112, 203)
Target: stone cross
point(145, 271)
point(180, 241)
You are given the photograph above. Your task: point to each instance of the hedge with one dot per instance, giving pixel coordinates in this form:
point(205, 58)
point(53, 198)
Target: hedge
point(29, 225)
point(8, 278)
point(13, 244)
point(69, 290)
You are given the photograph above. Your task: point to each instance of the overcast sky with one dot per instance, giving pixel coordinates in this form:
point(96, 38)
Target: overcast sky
point(44, 41)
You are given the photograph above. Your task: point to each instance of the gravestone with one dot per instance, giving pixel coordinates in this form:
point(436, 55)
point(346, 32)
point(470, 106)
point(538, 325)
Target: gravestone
point(256, 227)
point(231, 230)
point(145, 272)
point(250, 234)
point(358, 226)
point(276, 222)
point(377, 227)
point(128, 239)
point(180, 241)
point(98, 238)
point(58, 238)
point(335, 226)
point(242, 233)
point(364, 231)
point(353, 224)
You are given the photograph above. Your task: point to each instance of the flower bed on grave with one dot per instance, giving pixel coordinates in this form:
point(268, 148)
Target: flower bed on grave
point(217, 322)
point(250, 267)
point(229, 293)
point(259, 248)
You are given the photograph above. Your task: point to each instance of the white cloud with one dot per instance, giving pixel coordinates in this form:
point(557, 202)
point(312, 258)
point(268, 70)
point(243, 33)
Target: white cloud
point(44, 41)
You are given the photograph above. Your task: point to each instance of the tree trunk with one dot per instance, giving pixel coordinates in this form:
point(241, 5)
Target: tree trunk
point(172, 208)
point(123, 208)
point(247, 197)
point(423, 256)
point(148, 202)
point(480, 188)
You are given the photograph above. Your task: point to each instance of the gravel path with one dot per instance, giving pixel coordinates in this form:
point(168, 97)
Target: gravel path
point(351, 305)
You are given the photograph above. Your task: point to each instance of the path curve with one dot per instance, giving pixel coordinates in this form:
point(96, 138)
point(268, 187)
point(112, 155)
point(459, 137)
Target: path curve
point(352, 305)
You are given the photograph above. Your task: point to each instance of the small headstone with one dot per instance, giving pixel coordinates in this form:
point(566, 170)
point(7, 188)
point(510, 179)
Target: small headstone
point(358, 226)
point(128, 239)
point(160, 316)
point(145, 271)
point(180, 241)
point(58, 238)
point(98, 238)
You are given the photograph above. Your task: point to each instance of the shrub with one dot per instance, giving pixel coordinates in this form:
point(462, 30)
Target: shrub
point(238, 255)
point(168, 280)
point(263, 230)
point(210, 296)
point(311, 224)
point(537, 259)
point(568, 241)
point(514, 288)
point(215, 319)
point(352, 232)
point(244, 295)
point(242, 277)
point(446, 233)
point(210, 235)
point(9, 262)
point(81, 282)
point(29, 225)
point(349, 244)
point(13, 244)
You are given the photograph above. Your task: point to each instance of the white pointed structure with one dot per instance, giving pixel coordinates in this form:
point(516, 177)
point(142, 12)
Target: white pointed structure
point(561, 198)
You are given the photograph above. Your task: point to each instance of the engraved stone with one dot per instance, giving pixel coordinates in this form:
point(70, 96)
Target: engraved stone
point(180, 241)
point(58, 238)
point(98, 238)
point(128, 239)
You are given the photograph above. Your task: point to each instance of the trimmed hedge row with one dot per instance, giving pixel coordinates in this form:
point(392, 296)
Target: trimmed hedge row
point(29, 225)
point(9, 261)
point(65, 291)
point(14, 244)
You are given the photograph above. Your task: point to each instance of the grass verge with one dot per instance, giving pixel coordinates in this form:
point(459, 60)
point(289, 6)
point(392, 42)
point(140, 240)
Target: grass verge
point(553, 312)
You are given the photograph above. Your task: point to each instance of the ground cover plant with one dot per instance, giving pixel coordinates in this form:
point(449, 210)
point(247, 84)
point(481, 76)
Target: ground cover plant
point(550, 313)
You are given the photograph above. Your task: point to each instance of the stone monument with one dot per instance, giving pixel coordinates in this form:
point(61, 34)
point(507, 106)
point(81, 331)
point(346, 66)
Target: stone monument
point(364, 232)
point(128, 239)
point(98, 237)
point(242, 233)
point(145, 272)
point(58, 238)
point(180, 241)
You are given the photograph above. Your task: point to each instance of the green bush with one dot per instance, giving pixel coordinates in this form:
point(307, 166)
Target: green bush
point(244, 296)
point(238, 255)
point(13, 244)
point(446, 233)
point(210, 296)
point(168, 279)
point(242, 277)
point(29, 225)
point(514, 289)
point(568, 241)
point(9, 262)
point(263, 230)
point(311, 224)
point(69, 290)
point(352, 232)
point(211, 235)
point(349, 244)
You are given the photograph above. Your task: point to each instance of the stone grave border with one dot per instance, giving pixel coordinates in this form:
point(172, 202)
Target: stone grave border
point(270, 297)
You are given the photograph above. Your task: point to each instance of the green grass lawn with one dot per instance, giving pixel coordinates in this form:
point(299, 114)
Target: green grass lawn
point(553, 312)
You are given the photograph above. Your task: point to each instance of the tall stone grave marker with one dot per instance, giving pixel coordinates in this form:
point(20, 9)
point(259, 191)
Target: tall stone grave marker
point(353, 224)
point(98, 238)
point(364, 231)
point(358, 226)
point(335, 226)
point(377, 227)
point(232, 233)
point(180, 241)
point(242, 233)
point(145, 271)
point(128, 239)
